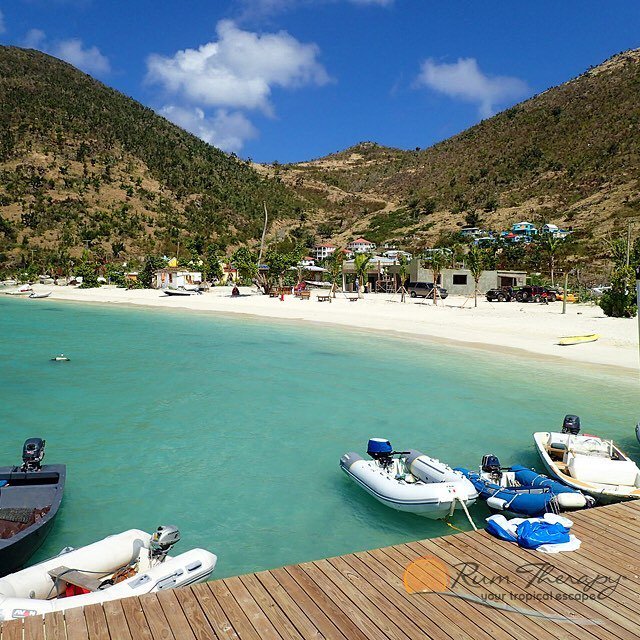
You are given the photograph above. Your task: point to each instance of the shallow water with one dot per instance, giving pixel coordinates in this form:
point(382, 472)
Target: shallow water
point(232, 428)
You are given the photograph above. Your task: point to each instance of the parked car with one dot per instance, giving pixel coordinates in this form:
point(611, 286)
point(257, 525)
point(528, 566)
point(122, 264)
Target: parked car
point(531, 293)
point(502, 294)
point(425, 290)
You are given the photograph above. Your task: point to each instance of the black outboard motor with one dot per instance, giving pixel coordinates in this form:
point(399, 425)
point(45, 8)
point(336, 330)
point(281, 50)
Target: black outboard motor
point(381, 451)
point(571, 425)
point(32, 454)
point(491, 465)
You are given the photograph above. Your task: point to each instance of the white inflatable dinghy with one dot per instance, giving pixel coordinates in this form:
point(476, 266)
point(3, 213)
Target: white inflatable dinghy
point(120, 566)
point(409, 480)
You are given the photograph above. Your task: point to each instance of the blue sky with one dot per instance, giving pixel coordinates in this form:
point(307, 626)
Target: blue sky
point(291, 80)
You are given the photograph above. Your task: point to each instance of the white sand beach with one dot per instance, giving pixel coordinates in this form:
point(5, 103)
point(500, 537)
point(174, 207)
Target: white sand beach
point(533, 328)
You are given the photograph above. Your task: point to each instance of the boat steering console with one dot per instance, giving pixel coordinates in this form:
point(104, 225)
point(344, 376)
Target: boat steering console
point(32, 454)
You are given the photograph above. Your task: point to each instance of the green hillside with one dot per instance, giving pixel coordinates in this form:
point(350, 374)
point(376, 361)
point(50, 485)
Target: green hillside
point(82, 165)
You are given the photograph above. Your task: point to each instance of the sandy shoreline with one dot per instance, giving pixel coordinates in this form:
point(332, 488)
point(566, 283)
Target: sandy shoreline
point(533, 328)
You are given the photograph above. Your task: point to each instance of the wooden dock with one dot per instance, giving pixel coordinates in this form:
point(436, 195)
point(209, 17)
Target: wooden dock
point(595, 592)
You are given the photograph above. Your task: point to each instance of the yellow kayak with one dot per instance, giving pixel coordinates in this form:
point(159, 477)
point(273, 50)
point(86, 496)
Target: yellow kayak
point(567, 340)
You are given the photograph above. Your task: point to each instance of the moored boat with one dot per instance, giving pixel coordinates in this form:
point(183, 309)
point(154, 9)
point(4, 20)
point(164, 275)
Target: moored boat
point(30, 496)
point(409, 480)
point(127, 564)
point(588, 463)
point(522, 491)
point(60, 358)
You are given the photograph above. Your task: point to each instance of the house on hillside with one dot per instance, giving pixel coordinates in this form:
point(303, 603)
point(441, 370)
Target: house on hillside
point(360, 245)
point(555, 231)
point(323, 251)
point(526, 229)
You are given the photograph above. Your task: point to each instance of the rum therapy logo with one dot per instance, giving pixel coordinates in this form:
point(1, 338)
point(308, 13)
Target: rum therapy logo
point(529, 583)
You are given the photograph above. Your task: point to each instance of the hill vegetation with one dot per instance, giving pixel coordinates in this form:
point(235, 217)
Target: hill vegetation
point(84, 167)
point(570, 156)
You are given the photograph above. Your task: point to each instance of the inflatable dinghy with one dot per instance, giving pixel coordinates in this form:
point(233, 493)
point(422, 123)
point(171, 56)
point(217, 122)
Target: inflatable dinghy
point(522, 491)
point(409, 480)
point(127, 564)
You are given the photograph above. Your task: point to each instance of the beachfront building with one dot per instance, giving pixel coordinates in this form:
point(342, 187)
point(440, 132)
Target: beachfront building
point(460, 281)
point(360, 245)
point(323, 251)
point(175, 277)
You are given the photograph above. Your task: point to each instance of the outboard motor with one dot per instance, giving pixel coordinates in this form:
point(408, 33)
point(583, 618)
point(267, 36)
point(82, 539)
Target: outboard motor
point(571, 425)
point(161, 542)
point(491, 465)
point(32, 454)
point(381, 451)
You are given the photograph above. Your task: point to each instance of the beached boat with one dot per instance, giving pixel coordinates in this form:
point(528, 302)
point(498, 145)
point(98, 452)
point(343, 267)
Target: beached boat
point(23, 290)
point(180, 292)
point(127, 564)
point(569, 340)
point(33, 294)
point(588, 463)
point(522, 491)
point(30, 496)
point(409, 480)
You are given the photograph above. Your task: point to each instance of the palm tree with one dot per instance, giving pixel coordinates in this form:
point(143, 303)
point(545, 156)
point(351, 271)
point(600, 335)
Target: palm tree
point(550, 245)
point(361, 267)
point(403, 263)
point(334, 265)
point(437, 260)
point(475, 262)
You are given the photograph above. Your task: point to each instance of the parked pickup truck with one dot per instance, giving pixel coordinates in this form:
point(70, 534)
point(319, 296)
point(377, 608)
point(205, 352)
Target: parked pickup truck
point(425, 290)
point(503, 294)
point(532, 293)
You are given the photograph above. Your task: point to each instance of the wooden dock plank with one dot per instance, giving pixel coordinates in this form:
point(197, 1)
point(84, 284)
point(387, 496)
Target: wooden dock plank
point(96, 622)
point(54, 627)
point(362, 596)
point(12, 630)
point(136, 619)
point(116, 620)
point(76, 624)
point(34, 628)
point(158, 623)
point(198, 621)
point(270, 608)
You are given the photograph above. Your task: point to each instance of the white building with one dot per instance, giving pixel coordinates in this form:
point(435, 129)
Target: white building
point(323, 251)
point(174, 278)
point(360, 245)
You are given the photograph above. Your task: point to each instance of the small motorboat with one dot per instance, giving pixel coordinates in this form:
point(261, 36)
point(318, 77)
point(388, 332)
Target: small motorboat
point(522, 491)
point(588, 463)
point(22, 290)
point(180, 292)
point(127, 564)
point(30, 496)
point(638, 431)
point(569, 340)
point(409, 480)
point(60, 358)
point(35, 295)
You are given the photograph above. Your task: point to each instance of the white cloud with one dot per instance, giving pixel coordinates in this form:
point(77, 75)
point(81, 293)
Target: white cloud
point(3, 27)
point(227, 131)
point(253, 8)
point(89, 59)
point(464, 80)
point(238, 70)
point(34, 39)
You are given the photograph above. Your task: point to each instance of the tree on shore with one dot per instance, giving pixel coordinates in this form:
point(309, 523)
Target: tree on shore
point(361, 267)
point(437, 260)
point(475, 261)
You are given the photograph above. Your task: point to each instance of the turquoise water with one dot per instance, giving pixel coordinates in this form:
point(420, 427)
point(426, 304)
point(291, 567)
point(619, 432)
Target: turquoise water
point(232, 428)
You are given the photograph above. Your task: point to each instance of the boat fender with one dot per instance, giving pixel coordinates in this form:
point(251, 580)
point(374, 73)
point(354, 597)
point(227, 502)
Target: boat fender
point(496, 503)
point(573, 500)
point(428, 469)
point(349, 458)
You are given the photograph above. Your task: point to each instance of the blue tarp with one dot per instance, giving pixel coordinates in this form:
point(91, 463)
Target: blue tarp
point(533, 534)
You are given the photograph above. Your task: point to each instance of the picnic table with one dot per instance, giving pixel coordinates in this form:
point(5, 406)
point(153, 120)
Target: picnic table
point(324, 298)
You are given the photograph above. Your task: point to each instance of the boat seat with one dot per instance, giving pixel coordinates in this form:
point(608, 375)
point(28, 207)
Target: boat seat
point(77, 578)
point(556, 450)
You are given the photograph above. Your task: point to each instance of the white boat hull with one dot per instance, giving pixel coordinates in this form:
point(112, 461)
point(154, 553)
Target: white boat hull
point(603, 493)
point(436, 499)
point(33, 591)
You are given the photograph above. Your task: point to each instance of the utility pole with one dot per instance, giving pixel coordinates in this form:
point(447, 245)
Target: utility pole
point(564, 292)
point(628, 243)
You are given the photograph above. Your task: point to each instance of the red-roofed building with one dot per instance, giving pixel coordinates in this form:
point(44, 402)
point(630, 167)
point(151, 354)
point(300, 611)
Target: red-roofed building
point(361, 245)
point(323, 251)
